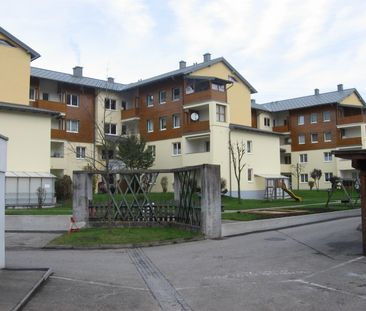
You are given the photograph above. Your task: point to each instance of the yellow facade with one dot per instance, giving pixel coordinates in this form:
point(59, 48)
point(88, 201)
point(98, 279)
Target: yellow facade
point(238, 94)
point(29, 140)
point(352, 100)
point(15, 74)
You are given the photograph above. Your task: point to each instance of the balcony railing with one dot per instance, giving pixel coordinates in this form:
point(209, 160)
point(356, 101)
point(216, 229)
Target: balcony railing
point(349, 141)
point(351, 119)
point(205, 95)
point(281, 128)
point(199, 126)
point(50, 105)
point(58, 134)
point(130, 113)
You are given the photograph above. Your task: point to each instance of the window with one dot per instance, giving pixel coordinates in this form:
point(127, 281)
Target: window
point(250, 174)
point(162, 97)
point(207, 146)
point(162, 123)
point(72, 100)
point(110, 129)
point(304, 178)
point(176, 121)
point(80, 152)
point(32, 94)
point(328, 156)
point(150, 100)
point(176, 93)
point(326, 116)
point(314, 117)
point(177, 149)
point(287, 141)
point(218, 87)
point(328, 136)
point(249, 146)
point(328, 176)
point(300, 120)
point(220, 113)
point(45, 96)
point(72, 126)
point(301, 138)
point(110, 154)
point(314, 138)
point(124, 105)
point(152, 149)
point(287, 159)
point(124, 129)
point(303, 158)
point(150, 126)
point(267, 122)
point(110, 104)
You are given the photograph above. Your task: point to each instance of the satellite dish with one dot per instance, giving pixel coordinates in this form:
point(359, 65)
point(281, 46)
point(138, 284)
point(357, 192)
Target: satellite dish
point(194, 116)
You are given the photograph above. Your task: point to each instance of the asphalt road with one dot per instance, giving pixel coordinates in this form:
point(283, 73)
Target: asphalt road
point(312, 267)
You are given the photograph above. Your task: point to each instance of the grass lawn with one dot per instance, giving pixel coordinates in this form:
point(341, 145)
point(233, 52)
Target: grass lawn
point(62, 209)
point(102, 236)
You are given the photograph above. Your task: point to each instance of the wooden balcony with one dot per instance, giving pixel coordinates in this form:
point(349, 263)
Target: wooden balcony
point(58, 134)
point(199, 126)
point(205, 95)
point(130, 113)
point(281, 128)
point(351, 141)
point(359, 118)
point(50, 105)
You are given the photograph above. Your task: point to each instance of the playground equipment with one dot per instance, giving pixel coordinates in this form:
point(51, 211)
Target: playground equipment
point(339, 183)
point(290, 193)
point(276, 189)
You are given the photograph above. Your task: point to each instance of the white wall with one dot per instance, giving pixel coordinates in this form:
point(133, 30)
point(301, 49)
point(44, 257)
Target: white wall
point(3, 145)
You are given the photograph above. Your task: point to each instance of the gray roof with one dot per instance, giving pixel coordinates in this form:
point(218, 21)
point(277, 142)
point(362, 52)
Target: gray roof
point(29, 50)
point(240, 127)
point(308, 101)
point(25, 108)
point(69, 78)
point(189, 70)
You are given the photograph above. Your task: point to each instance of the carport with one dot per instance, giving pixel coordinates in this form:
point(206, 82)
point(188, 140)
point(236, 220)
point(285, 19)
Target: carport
point(358, 158)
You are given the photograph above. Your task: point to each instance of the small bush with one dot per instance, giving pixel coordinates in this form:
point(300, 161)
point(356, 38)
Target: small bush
point(63, 188)
point(311, 184)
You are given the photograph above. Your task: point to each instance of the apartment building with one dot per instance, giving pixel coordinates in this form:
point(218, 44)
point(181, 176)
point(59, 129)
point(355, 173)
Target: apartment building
point(312, 126)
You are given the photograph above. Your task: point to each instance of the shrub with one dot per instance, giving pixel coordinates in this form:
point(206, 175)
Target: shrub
point(164, 183)
point(63, 188)
point(311, 184)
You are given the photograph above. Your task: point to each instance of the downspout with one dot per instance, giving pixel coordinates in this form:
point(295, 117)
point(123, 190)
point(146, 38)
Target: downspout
point(230, 185)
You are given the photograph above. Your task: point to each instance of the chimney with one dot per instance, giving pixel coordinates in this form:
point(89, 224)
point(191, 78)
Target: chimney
point(206, 57)
point(340, 87)
point(252, 101)
point(316, 91)
point(110, 80)
point(78, 71)
point(182, 64)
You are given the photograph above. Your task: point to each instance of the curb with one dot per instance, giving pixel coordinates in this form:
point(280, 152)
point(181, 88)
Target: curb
point(20, 305)
point(233, 229)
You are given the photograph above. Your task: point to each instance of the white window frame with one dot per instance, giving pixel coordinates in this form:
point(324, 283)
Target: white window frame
point(299, 140)
point(110, 128)
point(303, 158)
point(149, 126)
point(325, 113)
point(70, 100)
point(176, 149)
point(69, 126)
point(314, 141)
point(162, 123)
point(325, 136)
point(313, 114)
point(304, 178)
point(249, 146)
point(300, 120)
point(153, 150)
point(80, 152)
point(108, 104)
point(176, 97)
point(161, 102)
point(150, 100)
point(32, 94)
point(176, 121)
point(328, 157)
point(328, 176)
point(250, 175)
point(267, 121)
point(220, 113)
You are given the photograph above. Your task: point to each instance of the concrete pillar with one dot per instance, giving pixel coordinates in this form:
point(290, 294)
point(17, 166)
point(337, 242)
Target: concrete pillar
point(3, 152)
point(82, 193)
point(176, 186)
point(211, 201)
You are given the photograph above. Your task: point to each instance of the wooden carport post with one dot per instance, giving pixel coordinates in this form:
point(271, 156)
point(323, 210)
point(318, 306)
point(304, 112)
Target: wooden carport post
point(358, 158)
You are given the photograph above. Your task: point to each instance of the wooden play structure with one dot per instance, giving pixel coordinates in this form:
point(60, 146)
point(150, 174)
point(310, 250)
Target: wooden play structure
point(353, 186)
point(276, 189)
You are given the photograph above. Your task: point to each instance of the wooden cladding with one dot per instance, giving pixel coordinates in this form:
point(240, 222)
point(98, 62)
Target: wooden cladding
point(198, 126)
point(281, 128)
point(351, 119)
point(58, 134)
point(350, 141)
point(50, 105)
point(130, 113)
point(206, 95)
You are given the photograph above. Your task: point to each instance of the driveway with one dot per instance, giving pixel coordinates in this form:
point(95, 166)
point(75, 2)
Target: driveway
point(312, 267)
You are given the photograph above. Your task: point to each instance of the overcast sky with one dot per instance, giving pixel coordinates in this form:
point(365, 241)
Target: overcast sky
point(284, 48)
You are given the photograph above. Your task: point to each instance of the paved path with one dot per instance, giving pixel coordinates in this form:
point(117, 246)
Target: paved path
point(312, 267)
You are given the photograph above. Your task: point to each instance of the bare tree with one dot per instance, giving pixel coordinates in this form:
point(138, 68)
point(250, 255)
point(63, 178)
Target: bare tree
point(237, 152)
point(316, 174)
point(296, 171)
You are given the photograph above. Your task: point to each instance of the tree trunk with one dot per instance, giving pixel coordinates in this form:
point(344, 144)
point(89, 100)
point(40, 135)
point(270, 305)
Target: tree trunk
point(239, 192)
